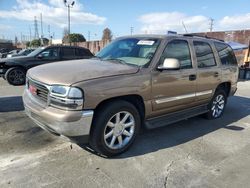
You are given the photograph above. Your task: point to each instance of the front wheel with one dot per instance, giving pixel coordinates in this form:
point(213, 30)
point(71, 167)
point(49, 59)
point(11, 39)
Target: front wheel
point(115, 128)
point(15, 76)
point(217, 105)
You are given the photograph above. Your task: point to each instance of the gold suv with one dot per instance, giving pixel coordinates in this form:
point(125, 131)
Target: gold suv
point(145, 80)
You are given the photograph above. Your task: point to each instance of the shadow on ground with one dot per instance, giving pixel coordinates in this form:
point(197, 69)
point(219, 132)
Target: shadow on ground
point(11, 104)
point(187, 130)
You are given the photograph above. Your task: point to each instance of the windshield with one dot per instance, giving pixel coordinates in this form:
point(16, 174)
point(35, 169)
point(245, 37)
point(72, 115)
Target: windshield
point(36, 51)
point(131, 51)
point(22, 51)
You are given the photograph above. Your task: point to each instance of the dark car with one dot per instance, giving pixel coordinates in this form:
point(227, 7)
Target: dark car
point(14, 69)
point(4, 52)
point(23, 52)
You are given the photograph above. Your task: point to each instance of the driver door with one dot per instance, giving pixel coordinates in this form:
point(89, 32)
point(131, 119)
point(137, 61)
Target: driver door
point(174, 90)
point(46, 56)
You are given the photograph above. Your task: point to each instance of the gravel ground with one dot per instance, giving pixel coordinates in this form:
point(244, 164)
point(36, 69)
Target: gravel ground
point(192, 153)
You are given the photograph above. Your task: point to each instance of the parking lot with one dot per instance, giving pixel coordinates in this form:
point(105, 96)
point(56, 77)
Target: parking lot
point(192, 153)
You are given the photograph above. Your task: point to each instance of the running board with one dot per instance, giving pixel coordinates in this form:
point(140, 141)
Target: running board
point(175, 117)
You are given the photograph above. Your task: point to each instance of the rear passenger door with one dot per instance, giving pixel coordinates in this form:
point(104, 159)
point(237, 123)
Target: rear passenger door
point(67, 53)
point(208, 72)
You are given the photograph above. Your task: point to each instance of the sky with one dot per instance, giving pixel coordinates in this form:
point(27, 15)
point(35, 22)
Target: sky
point(145, 16)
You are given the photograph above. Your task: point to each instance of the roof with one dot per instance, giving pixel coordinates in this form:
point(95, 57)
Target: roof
point(171, 35)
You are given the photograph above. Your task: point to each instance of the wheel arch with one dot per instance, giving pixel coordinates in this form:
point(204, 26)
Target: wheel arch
point(135, 100)
point(226, 86)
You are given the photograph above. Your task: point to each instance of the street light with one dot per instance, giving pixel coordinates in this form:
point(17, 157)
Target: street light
point(69, 5)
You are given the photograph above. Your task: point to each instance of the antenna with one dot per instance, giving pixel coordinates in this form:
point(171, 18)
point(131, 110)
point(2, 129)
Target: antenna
point(184, 27)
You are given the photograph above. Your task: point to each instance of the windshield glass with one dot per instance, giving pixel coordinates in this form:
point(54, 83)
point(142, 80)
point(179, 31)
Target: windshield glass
point(131, 51)
point(36, 51)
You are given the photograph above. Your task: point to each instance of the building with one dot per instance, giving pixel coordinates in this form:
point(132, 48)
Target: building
point(240, 36)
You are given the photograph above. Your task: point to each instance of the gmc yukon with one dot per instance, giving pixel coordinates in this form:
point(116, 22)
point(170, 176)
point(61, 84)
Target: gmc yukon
point(136, 81)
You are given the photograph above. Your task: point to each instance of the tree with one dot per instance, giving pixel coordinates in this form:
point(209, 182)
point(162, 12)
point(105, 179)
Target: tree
point(35, 43)
point(28, 43)
point(74, 37)
point(107, 34)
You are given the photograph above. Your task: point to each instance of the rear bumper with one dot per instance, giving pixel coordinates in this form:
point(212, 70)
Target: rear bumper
point(72, 124)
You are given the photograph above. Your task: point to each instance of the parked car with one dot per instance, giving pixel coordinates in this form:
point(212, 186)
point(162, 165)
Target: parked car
point(23, 52)
point(4, 52)
point(134, 82)
point(14, 69)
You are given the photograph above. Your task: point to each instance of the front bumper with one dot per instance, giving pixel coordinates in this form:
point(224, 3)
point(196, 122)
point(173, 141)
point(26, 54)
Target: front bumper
point(72, 124)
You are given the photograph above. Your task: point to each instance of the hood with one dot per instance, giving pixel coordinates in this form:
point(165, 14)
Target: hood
point(70, 72)
point(16, 59)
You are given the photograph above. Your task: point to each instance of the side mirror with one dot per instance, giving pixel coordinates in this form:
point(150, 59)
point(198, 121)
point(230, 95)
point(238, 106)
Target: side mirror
point(39, 56)
point(170, 64)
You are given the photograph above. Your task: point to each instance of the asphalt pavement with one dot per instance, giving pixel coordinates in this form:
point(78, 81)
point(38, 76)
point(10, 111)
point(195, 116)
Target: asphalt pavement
point(191, 153)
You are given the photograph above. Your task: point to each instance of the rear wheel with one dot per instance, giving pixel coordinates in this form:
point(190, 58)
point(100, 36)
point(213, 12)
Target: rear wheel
point(15, 76)
point(217, 105)
point(115, 128)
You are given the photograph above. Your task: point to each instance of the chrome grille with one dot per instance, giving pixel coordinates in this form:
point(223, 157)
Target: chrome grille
point(42, 91)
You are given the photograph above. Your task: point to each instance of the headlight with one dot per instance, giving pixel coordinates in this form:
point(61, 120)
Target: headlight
point(67, 98)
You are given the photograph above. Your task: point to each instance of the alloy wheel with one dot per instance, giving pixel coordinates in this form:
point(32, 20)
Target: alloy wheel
point(218, 106)
point(119, 130)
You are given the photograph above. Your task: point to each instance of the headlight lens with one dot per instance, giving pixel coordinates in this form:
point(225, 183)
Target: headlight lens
point(67, 98)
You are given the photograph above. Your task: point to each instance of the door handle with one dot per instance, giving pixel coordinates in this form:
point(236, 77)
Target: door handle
point(216, 74)
point(192, 77)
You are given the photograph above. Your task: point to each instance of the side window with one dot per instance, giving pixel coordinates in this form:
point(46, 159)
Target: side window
point(68, 53)
point(226, 54)
point(82, 52)
point(49, 54)
point(178, 49)
point(204, 54)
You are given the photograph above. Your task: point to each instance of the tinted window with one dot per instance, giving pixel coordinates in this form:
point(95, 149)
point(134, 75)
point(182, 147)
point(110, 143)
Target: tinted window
point(178, 49)
point(226, 54)
point(68, 53)
point(82, 52)
point(204, 54)
point(50, 54)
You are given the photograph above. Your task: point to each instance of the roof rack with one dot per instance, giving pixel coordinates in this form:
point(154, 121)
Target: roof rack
point(201, 36)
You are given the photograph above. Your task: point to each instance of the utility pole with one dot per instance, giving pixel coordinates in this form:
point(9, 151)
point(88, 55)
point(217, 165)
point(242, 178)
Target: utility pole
point(36, 28)
point(30, 33)
point(41, 17)
point(211, 24)
point(88, 35)
point(131, 30)
point(69, 5)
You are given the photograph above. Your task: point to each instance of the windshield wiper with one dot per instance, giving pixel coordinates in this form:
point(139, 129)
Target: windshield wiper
point(117, 60)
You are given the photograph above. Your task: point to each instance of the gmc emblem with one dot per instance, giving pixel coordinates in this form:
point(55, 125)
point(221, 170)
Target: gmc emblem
point(33, 90)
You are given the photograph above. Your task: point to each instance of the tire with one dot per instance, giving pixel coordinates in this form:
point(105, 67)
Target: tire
point(15, 76)
point(119, 137)
point(217, 105)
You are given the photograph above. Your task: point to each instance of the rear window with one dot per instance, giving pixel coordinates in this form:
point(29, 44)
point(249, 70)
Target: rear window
point(226, 54)
point(204, 54)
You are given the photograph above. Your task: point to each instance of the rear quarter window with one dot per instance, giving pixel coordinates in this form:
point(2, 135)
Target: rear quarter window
point(82, 52)
point(226, 54)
